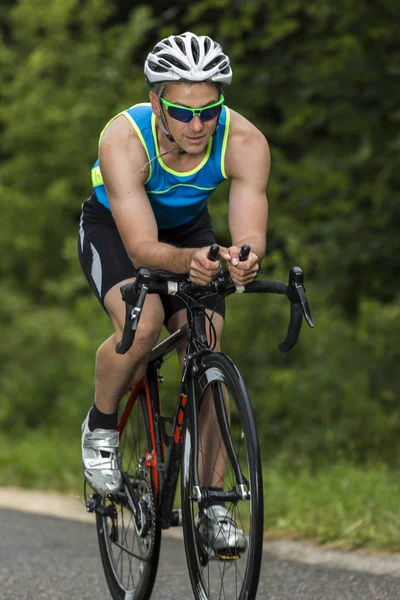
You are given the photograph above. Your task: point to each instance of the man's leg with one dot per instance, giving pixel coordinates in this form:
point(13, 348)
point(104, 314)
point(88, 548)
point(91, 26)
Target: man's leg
point(115, 374)
point(212, 453)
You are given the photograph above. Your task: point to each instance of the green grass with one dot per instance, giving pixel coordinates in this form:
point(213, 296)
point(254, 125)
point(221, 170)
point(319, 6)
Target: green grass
point(39, 460)
point(341, 504)
point(344, 504)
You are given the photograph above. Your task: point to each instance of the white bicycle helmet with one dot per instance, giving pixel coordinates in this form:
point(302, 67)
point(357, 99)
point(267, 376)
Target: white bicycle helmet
point(187, 57)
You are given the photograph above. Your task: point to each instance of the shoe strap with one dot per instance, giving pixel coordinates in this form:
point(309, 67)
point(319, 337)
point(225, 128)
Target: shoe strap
point(101, 441)
point(226, 520)
point(221, 518)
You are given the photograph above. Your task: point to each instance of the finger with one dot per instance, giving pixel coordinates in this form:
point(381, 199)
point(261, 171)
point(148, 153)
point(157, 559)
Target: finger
point(250, 263)
point(199, 279)
point(210, 269)
point(241, 276)
point(206, 275)
point(241, 268)
point(224, 253)
point(243, 280)
point(202, 264)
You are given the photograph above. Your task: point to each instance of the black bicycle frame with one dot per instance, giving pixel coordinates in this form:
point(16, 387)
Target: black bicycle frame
point(165, 474)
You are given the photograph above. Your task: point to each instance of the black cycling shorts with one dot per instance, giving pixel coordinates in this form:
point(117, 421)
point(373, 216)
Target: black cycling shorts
point(105, 261)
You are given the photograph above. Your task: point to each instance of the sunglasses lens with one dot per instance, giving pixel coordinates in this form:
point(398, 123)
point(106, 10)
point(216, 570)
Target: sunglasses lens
point(180, 114)
point(210, 113)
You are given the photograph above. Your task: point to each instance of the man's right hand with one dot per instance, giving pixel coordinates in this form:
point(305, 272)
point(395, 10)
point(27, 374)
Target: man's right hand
point(202, 270)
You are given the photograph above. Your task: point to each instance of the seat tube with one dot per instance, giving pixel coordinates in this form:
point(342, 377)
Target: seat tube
point(154, 406)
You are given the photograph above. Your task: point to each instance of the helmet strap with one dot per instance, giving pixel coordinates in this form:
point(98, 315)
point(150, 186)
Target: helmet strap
point(166, 131)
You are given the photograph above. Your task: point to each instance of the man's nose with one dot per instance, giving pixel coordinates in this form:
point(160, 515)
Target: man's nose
point(196, 124)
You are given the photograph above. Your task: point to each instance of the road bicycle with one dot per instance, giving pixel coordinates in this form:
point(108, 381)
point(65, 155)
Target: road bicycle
point(157, 450)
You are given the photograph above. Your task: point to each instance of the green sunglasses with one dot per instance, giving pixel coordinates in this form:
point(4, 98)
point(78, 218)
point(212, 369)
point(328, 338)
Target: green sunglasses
point(184, 114)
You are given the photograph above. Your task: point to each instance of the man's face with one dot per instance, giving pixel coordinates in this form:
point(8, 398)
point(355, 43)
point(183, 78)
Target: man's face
point(193, 136)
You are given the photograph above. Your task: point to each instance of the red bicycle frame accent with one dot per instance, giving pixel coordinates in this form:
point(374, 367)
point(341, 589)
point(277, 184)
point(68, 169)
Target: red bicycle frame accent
point(151, 456)
point(179, 422)
point(129, 405)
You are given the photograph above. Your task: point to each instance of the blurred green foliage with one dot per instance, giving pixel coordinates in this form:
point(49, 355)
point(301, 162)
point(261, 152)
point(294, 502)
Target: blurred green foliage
point(319, 79)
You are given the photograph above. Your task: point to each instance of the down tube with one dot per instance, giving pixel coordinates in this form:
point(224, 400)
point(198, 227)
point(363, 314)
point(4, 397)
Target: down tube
point(156, 460)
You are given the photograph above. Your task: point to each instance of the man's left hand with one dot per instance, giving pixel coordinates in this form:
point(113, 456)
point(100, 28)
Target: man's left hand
point(241, 272)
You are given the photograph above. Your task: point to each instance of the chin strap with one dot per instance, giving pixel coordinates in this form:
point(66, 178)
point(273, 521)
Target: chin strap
point(165, 130)
point(149, 162)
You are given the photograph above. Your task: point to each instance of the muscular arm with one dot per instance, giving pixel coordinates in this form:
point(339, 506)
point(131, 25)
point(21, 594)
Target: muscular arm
point(248, 165)
point(122, 157)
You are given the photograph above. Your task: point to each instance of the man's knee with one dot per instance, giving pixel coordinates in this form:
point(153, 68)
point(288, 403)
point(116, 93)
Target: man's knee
point(150, 322)
point(146, 337)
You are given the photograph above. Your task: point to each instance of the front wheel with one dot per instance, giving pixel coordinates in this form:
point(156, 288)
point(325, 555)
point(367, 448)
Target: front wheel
point(230, 484)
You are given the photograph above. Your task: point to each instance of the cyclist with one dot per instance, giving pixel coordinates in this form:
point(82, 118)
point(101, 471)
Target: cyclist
point(158, 164)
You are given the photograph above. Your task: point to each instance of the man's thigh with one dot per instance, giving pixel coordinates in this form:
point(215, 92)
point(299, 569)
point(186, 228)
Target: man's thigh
point(151, 318)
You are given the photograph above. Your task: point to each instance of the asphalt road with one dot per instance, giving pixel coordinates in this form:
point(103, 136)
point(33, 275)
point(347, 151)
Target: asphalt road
point(46, 558)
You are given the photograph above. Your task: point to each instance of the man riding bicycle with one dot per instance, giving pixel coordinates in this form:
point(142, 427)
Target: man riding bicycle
point(158, 164)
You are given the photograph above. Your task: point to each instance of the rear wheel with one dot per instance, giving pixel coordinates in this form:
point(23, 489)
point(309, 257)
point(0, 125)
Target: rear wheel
point(130, 551)
point(230, 573)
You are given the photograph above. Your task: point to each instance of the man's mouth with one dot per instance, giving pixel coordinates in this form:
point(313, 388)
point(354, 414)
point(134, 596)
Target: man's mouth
point(195, 139)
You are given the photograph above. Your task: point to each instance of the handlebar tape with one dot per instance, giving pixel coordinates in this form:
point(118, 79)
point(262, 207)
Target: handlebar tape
point(296, 319)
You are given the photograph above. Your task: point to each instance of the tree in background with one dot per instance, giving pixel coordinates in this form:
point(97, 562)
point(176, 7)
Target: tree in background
point(318, 78)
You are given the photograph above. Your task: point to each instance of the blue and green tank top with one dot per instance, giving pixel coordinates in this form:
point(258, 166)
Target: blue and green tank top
point(175, 197)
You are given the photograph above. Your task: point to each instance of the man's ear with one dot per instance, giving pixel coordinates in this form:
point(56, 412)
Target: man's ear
point(155, 103)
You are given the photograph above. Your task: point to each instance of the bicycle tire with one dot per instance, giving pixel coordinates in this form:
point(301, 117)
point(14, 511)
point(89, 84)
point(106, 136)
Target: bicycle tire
point(130, 561)
point(210, 573)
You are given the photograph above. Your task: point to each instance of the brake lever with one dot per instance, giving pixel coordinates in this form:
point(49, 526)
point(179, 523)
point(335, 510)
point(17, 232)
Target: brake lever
point(137, 309)
point(305, 306)
point(296, 288)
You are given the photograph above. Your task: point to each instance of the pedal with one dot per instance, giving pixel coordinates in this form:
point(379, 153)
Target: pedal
point(227, 554)
point(176, 518)
point(226, 557)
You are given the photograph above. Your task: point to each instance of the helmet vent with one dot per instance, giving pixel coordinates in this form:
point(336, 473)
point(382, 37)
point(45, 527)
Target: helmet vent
point(158, 68)
point(176, 62)
point(224, 67)
point(207, 44)
point(180, 43)
point(195, 50)
point(215, 62)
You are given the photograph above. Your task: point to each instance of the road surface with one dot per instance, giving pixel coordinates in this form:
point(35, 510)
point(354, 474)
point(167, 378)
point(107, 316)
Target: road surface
point(50, 558)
